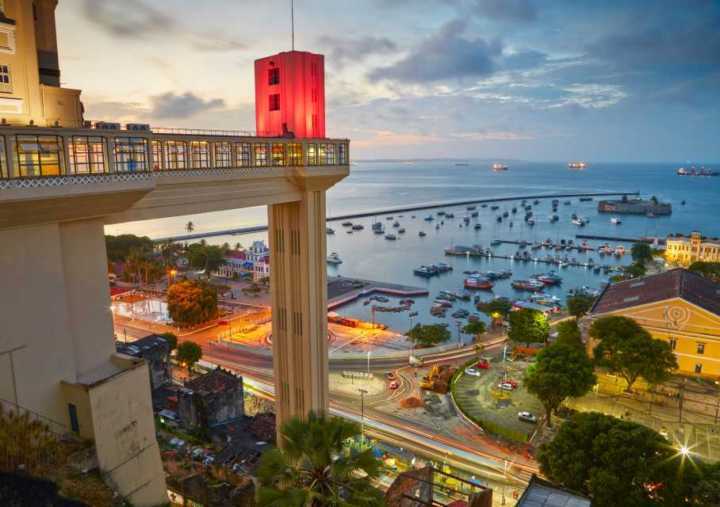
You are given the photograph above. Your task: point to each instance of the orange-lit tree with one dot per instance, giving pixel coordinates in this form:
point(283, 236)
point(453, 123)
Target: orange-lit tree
point(192, 302)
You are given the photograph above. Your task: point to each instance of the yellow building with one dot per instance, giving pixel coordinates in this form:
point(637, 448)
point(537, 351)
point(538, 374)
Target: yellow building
point(30, 91)
point(683, 250)
point(676, 306)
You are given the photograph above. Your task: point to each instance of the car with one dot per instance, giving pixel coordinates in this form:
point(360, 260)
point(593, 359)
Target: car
point(209, 460)
point(526, 416)
point(505, 386)
point(473, 371)
point(390, 375)
point(483, 364)
point(512, 382)
point(197, 453)
point(394, 385)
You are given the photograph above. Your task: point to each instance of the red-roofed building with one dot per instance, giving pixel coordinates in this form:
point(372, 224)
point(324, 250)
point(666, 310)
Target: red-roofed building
point(676, 306)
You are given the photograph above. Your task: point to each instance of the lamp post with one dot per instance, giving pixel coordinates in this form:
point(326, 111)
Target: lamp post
point(362, 392)
point(368, 362)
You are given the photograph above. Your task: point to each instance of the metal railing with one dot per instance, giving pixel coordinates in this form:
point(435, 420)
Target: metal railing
point(202, 132)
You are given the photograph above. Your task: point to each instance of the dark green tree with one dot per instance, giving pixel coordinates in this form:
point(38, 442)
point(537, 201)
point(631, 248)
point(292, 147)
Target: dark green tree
point(188, 353)
point(171, 338)
point(119, 247)
point(428, 335)
point(501, 306)
point(205, 257)
point(641, 252)
point(609, 459)
point(528, 326)
point(569, 333)
point(560, 372)
point(634, 270)
point(192, 302)
point(475, 327)
point(627, 349)
point(315, 468)
point(579, 304)
point(710, 270)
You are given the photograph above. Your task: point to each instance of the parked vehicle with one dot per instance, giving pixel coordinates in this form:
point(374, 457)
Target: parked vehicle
point(526, 416)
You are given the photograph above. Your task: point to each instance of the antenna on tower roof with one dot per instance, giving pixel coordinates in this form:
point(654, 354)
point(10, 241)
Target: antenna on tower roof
point(292, 24)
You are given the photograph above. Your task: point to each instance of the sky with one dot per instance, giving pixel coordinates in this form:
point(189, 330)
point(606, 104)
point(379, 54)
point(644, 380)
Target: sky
point(605, 80)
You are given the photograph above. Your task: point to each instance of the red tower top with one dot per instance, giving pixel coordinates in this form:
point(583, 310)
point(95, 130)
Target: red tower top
point(290, 95)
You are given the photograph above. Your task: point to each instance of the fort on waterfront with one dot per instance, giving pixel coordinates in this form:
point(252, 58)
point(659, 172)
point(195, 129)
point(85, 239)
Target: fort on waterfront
point(636, 206)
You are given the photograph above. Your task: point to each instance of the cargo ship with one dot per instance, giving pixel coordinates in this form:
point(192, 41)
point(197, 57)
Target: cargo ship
point(497, 167)
point(577, 165)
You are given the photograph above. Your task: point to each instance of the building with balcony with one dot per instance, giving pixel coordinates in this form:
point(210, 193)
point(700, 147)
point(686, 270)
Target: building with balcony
point(62, 180)
point(684, 250)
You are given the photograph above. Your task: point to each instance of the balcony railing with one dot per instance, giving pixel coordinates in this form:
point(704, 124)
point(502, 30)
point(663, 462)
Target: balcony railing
point(33, 152)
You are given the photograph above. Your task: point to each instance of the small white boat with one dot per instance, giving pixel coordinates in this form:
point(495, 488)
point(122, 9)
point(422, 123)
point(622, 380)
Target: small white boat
point(334, 259)
point(615, 221)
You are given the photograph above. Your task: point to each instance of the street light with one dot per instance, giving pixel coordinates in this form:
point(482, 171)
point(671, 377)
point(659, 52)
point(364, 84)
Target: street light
point(362, 392)
point(368, 362)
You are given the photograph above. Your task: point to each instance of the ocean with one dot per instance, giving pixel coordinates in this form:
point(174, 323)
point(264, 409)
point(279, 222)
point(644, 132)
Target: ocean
point(383, 185)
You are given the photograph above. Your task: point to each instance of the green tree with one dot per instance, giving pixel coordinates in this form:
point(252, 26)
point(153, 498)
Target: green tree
point(528, 326)
point(501, 306)
point(119, 247)
point(634, 270)
point(205, 257)
point(192, 302)
point(627, 349)
point(428, 335)
point(641, 252)
point(474, 327)
point(710, 270)
point(561, 371)
point(569, 333)
point(315, 468)
point(171, 338)
point(189, 353)
point(609, 459)
point(579, 304)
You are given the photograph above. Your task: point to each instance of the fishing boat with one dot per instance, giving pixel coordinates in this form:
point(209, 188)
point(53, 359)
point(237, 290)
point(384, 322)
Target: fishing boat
point(470, 208)
point(494, 207)
point(550, 278)
point(615, 221)
point(474, 214)
point(429, 218)
point(425, 271)
point(577, 165)
point(528, 285)
point(390, 237)
point(530, 222)
point(334, 259)
point(585, 199)
point(396, 224)
point(329, 230)
point(579, 221)
point(449, 215)
point(422, 234)
point(347, 224)
point(401, 230)
point(495, 242)
point(478, 227)
point(443, 267)
point(358, 227)
point(498, 167)
point(477, 283)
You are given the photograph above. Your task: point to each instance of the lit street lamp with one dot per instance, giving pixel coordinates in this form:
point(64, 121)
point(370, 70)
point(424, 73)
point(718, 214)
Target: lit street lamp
point(362, 392)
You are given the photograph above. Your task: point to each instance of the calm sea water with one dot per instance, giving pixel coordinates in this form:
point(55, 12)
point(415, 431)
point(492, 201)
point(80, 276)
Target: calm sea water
point(382, 185)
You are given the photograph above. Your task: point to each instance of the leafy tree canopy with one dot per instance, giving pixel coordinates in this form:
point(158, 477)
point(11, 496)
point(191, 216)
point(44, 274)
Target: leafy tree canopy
point(119, 247)
point(579, 304)
point(205, 257)
point(192, 302)
point(428, 335)
point(171, 338)
point(709, 270)
point(641, 252)
point(569, 333)
point(629, 350)
point(315, 468)
point(501, 306)
point(528, 326)
point(189, 353)
point(561, 371)
point(474, 327)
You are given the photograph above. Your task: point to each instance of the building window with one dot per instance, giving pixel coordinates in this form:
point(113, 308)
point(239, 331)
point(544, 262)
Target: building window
point(321, 154)
point(274, 76)
point(294, 154)
point(130, 154)
point(4, 173)
point(698, 368)
point(223, 155)
point(199, 155)
point(243, 154)
point(312, 154)
point(673, 343)
point(87, 155)
point(72, 413)
point(39, 155)
point(274, 103)
point(261, 155)
point(278, 154)
point(176, 155)
point(156, 147)
point(330, 154)
point(342, 153)
point(5, 79)
point(700, 348)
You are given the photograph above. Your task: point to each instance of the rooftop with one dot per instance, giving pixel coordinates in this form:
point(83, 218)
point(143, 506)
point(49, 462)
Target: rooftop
point(218, 380)
point(676, 283)
point(138, 347)
point(540, 493)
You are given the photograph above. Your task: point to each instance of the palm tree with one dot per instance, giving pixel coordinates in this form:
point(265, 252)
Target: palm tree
point(189, 227)
point(315, 468)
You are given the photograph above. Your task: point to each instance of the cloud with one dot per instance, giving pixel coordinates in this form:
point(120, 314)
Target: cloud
point(171, 105)
point(216, 43)
point(344, 49)
point(443, 55)
point(129, 18)
point(507, 10)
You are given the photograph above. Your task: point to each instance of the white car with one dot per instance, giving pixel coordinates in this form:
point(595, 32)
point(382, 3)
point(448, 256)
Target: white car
point(473, 371)
point(527, 417)
point(505, 386)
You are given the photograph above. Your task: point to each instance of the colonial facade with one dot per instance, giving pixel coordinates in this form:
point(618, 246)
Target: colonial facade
point(684, 250)
point(676, 306)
